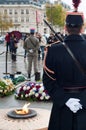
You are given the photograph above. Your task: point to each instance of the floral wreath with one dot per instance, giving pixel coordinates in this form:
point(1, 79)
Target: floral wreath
point(6, 87)
point(33, 91)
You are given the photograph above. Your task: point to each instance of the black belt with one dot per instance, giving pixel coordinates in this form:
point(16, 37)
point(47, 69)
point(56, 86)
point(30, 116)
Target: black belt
point(74, 90)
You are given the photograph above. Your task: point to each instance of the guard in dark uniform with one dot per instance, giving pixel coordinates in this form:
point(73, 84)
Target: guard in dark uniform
point(64, 81)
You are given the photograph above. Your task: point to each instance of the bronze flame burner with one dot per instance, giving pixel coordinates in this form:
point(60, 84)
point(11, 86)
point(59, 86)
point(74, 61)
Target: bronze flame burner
point(12, 114)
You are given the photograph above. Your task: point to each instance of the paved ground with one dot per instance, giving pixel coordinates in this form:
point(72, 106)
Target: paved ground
point(12, 67)
point(37, 122)
point(10, 102)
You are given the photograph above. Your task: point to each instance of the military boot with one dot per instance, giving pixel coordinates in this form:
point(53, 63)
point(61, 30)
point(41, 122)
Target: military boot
point(37, 76)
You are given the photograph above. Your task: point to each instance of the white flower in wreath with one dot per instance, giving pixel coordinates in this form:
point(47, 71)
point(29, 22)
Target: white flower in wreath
point(8, 87)
point(42, 97)
point(41, 84)
point(5, 91)
point(31, 92)
point(26, 95)
point(11, 89)
point(18, 91)
point(3, 80)
point(24, 88)
point(22, 96)
point(44, 94)
point(47, 97)
point(41, 90)
point(36, 94)
point(37, 84)
point(9, 81)
point(34, 89)
point(1, 90)
point(28, 87)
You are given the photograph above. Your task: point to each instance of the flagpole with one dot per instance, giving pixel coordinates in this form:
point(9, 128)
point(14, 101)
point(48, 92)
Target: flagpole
point(37, 21)
point(37, 27)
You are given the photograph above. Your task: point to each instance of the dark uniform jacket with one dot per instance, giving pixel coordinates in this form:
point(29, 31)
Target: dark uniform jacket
point(60, 76)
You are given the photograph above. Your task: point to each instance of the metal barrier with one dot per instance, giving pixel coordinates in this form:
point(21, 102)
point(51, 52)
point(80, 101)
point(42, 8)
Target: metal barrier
point(2, 52)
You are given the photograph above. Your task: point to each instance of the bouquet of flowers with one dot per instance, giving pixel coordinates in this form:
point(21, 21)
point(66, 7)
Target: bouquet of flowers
point(16, 78)
point(6, 87)
point(33, 91)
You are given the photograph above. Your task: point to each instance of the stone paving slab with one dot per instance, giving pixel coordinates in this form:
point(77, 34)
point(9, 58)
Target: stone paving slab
point(36, 123)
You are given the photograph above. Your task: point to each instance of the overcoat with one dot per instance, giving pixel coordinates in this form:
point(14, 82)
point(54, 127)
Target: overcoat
point(60, 72)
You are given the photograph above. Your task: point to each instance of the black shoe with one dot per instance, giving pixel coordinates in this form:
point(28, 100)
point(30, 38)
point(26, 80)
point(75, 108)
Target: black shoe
point(37, 76)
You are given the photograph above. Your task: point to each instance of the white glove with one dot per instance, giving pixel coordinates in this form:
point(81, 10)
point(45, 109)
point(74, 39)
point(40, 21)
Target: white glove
point(73, 104)
point(31, 50)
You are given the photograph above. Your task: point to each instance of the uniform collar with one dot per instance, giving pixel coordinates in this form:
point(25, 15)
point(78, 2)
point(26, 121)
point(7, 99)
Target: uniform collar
point(74, 37)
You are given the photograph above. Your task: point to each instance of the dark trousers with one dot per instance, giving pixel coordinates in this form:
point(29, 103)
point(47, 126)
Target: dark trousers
point(13, 55)
point(8, 47)
point(25, 54)
point(42, 51)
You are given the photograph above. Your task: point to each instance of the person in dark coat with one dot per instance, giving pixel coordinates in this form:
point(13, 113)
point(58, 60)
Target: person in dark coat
point(51, 39)
point(13, 46)
point(64, 81)
point(7, 39)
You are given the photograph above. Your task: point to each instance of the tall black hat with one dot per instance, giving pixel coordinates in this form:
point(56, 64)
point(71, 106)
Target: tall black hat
point(75, 19)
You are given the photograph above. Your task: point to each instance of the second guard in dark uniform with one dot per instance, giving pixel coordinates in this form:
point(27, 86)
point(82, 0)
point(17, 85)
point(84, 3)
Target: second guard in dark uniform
point(64, 81)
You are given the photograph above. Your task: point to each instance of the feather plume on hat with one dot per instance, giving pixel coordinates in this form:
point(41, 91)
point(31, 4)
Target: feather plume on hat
point(76, 4)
